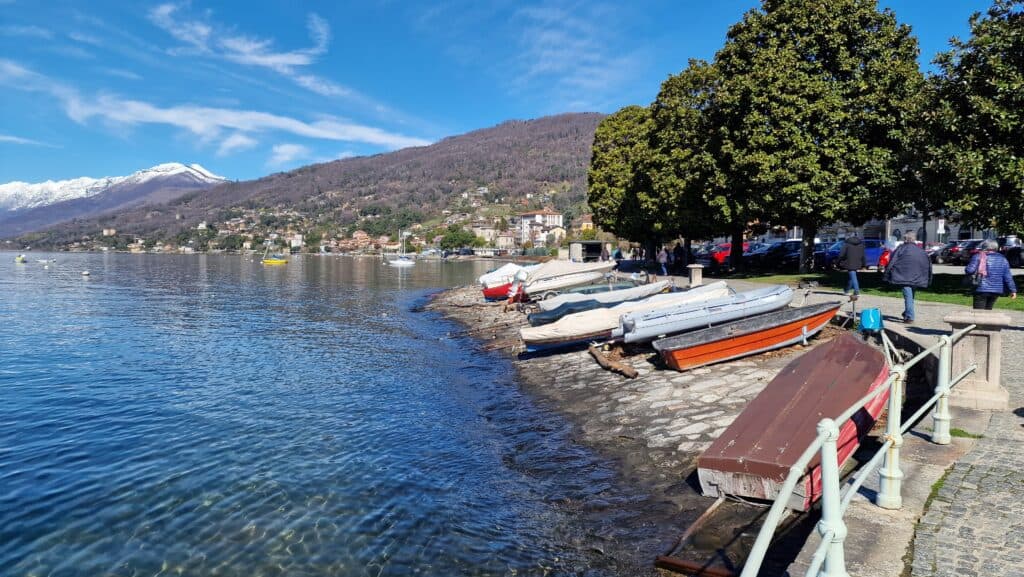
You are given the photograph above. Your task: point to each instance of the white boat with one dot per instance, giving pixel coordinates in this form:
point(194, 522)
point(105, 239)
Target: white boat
point(402, 260)
point(640, 326)
point(606, 298)
point(556, 275)
point(603, 324)
point(503, 275)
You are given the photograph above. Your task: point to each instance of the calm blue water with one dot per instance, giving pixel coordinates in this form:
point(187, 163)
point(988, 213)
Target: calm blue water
point(206, 415)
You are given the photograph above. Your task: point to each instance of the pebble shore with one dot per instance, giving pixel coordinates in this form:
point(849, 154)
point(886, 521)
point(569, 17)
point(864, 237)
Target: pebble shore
point(655, 425)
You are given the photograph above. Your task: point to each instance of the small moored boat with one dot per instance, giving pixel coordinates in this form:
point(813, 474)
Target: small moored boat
point(752, 457)
point(745, 337)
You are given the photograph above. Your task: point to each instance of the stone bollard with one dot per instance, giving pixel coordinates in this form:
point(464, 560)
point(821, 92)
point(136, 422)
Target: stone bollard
point(983, 346)
point(696, 274)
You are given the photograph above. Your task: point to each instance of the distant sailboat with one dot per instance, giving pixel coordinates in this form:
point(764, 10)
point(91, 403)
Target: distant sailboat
point(273, 259)
point(402, 260)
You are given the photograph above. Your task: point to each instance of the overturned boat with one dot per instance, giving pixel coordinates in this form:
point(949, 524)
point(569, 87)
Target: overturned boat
point(744, 337)
point(753, 456)
point(576, 302)
point(604, 323)
point(644, 326)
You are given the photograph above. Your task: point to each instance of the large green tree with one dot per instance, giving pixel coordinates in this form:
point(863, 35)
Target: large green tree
point(684, 163)
point(620, 191)
point(814, 110)
point(975, 149)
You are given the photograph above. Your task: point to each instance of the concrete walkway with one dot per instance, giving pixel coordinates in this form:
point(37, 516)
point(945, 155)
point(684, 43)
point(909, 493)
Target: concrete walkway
point(974, 526)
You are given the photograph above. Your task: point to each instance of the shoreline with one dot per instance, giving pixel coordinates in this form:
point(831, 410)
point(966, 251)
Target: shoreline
point(653, 427)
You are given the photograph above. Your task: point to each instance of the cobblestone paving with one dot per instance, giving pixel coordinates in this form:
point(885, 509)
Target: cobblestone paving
point(975, 524)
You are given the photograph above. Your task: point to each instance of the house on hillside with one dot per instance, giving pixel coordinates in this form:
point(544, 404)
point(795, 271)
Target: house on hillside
point(485, 230)
point(584, 222)
point(537, 223)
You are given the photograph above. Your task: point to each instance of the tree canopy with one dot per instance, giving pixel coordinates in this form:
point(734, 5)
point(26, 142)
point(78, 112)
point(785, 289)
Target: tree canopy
point(975, 121)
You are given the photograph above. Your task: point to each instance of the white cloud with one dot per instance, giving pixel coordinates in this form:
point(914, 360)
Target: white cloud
point(252, 51)
point(121, 73)
point(85, 38)
point(283, 154)
point(205, 122)
point(25, 141)
point(190, 32)
point(234, 143)
point(26, 32)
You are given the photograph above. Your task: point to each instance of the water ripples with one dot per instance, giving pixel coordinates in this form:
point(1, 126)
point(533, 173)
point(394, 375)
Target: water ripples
point(206, 415)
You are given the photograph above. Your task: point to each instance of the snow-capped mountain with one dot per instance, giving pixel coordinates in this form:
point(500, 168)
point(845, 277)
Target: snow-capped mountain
point(23, 195)
point(28, 207)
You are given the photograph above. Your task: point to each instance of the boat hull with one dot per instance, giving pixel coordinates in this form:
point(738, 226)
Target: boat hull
point(753, 456)
point(274, 261)
point(745, 337)
point(642, 327)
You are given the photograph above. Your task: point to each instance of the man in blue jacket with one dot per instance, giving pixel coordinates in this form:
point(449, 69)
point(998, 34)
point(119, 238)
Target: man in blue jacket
point(909, 268)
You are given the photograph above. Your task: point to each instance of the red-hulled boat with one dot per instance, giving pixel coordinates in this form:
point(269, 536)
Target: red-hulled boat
point(753, 456)
point(744, 337)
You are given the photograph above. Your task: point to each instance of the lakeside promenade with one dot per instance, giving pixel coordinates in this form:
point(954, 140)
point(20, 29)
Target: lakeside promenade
point(974, 525)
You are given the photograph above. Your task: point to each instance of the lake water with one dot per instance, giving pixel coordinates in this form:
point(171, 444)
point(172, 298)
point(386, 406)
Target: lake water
point(207, 415)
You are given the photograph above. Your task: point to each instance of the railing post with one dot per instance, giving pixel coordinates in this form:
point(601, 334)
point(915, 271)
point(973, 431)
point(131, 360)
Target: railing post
point(941, 417)
point(831, 504)
point(890, 476)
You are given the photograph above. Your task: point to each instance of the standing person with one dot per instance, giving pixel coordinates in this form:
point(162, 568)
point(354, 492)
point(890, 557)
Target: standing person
point(909, 268)
point(680, 256)
point(663, 261)
point(605, 257)
point(996, 278)
point(851, 259)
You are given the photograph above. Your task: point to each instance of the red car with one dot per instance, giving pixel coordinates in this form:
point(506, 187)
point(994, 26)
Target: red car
point(720, 253)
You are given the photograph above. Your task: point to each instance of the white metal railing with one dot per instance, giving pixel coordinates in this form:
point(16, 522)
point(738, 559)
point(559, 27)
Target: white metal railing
point(834, 502)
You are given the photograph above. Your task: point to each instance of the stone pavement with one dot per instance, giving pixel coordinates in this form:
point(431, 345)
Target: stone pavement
point(975, 523)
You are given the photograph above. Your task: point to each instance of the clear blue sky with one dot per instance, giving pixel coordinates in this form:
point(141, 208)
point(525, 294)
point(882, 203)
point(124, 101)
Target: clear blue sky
point(104, 88)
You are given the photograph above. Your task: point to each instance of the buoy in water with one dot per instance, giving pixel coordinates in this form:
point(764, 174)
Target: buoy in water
point(85, 273)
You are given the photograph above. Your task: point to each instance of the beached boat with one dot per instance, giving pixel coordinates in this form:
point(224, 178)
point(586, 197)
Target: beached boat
point(644, 326)
point(745, 337)
point(604, 323)
point(551, 277)
point(752, 457)
point(576, 302)
point(503, 275)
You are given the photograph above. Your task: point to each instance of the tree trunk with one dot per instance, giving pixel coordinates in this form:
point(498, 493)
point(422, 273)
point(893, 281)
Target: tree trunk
point(807, 248)
point(924, 228)
point(688, 253)
point(736, 252)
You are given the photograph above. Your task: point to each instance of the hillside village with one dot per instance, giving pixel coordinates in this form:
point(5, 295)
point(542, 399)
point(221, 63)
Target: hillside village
point(473, 219)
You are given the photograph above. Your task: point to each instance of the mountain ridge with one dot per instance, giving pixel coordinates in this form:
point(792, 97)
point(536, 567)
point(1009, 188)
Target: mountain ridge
point(513, 159)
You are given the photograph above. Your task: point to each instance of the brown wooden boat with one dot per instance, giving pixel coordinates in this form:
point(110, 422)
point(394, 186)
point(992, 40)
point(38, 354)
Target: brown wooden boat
point(745, 337)
point(753, 456)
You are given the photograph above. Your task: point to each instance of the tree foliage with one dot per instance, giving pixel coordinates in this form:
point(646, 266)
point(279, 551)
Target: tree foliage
point(975, 121)
point(815, 111)
point(620, 191)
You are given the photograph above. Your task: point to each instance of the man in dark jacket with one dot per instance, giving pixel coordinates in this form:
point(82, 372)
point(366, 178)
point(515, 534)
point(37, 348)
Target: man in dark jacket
point(851, 259)
point(909, 268)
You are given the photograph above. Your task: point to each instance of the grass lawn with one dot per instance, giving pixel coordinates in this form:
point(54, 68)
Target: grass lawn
point(946, 288)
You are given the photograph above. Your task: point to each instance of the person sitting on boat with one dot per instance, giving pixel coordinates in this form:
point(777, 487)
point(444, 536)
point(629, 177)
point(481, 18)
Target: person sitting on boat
point(515, 288)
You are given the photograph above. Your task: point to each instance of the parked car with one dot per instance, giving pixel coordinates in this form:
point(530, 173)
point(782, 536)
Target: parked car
point(872, 251)
point(941, 255)
point(1011, 246)
point(718, 256)
point(965, 251)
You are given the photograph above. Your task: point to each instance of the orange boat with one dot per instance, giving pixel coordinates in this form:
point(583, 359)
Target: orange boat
point(745, 337)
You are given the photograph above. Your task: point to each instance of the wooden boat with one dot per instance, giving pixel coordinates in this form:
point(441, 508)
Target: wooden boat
point(644, 326)
point(576, 302)
point(753, 456)
point(745, 337)
point(603, 324)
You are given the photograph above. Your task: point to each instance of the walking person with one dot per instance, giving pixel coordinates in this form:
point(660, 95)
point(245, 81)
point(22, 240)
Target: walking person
point(851, 259)
point(663, 261)
point(994, 278)
point(909, 268)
